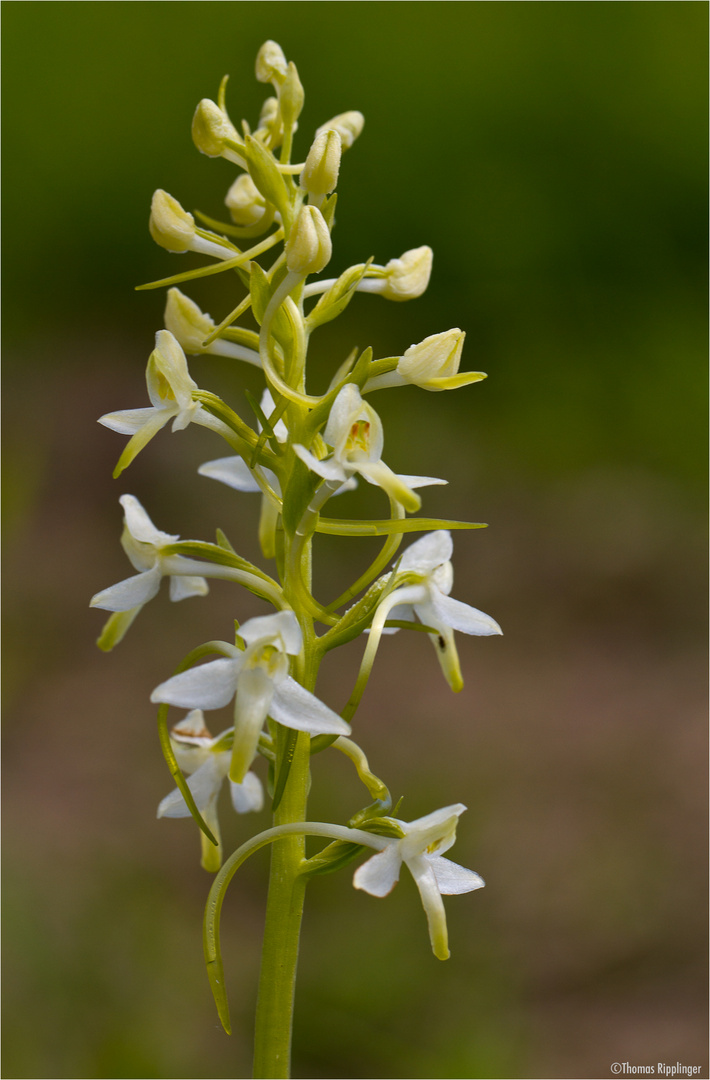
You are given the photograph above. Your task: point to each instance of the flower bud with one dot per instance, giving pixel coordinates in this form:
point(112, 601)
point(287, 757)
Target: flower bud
point(436, 357)
point(320, 173)
point(170, 226)
point(406, 277)
point(211, 129)
point(271, 63)
point(348, 125)
point(309, 246)
point(246, 204)
point(291, 96)
point(270, 121)
point(186, 322)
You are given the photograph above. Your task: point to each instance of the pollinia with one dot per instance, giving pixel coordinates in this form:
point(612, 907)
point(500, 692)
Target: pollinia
point(297, 452)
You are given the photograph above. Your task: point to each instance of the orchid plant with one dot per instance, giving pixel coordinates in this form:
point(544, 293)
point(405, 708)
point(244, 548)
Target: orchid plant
point(299, 450)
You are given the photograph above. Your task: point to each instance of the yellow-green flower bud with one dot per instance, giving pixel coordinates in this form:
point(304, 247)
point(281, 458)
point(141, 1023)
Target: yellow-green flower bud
point(271, 122)
point(186, 322)
point(404, 278)
point(320, 173)
point(348, 125)
point(271, 63)
point(246, 204)
point(309, 246)
point(211, 129)
point(291, 96)
point(436, 357)
point(171, 226)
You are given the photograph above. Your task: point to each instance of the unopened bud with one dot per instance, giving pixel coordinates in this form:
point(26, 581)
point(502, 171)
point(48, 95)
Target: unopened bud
point(271, 63)
point(270, 121)
point(186, 322)
point(309, 246)
point(406, 277)
point(320, 173)
point(437, 356)
point(246, 204)
point(348, 125)
point(170, 226)
point(291, 96)
point(211, 129)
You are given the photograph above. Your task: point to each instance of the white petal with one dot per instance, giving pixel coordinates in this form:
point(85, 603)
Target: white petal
point(329, 470)
point(452, 878)
point(468, 620)
point(343, 413)
point(204, 785)
point(184, 585)
point(420, 481)
point(232, 471)
point(295, 707)
point(129, 421)
point(379, 875)
point(254, 693)
point(283, 624)
point(130, 593)
point(209, 686)
point(431, 551)
point(140, 526)
point(247, 796)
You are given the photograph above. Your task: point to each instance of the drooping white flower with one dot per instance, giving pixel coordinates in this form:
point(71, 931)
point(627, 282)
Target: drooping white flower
point(170, 390)
point(429, 559)
point(354, 430)
point(144, 546)
point(259, 678)
point(421, 849)
point(206, 761)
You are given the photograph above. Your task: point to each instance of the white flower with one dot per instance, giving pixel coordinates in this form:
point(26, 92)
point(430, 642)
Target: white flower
point(354, 430)
point(206, 761)
point(259, 678)
point(420, 848)
point(170, 390)
point(429, 559)
point(144, 544)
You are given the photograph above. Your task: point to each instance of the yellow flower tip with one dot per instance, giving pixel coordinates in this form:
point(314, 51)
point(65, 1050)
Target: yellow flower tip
point(170, 226)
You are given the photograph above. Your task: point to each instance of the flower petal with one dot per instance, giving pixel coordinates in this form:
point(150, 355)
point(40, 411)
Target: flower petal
point(254, 693)
point(329, 469)
point(184, 585)
point(452, 878)
point(425, 878)
point(463, 617)
point(127, 421)
point(247, 796)
point(379, 875)
point(295, 707)
point(431, 551)
point(133, 592)
point(283, 624)
point(232, 471)
point(209, 686)
point(204, 785)
point(140, 526)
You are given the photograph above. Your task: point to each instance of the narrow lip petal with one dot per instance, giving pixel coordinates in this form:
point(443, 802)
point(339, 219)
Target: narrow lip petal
point(133, 592)
point(421, 870)
point(379, 875)
point(379, 474)
point(453, 879)
point(209, 686)
point(462, 617)
point(295, 707)
point(429, 552)
point(255, 691)
point(140, 526)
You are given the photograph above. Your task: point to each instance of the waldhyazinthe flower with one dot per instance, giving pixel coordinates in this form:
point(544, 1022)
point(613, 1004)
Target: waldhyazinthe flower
point(433, 364)
point(354, 430)
point(190, 326)
point(206, 761)
point(144, 544)
point(175, 230)
point(428, 560)
point(401, 279)
point(259, 678)
point(170, 390)
point(421, 849)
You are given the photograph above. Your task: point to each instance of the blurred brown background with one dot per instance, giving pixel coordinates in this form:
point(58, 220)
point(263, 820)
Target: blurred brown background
point(554, 156)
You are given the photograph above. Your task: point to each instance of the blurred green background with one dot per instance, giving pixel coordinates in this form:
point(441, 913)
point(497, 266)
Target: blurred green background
point(554, 157)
